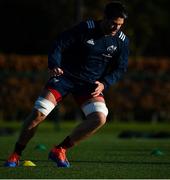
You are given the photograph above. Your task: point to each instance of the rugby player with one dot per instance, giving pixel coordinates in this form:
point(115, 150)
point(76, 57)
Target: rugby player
point(84, 61)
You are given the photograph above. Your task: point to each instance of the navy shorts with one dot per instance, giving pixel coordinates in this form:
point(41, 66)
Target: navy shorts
point(61, 86)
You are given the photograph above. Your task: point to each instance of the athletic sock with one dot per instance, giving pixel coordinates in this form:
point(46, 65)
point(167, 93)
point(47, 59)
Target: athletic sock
point(19, 148)
point(66, 143)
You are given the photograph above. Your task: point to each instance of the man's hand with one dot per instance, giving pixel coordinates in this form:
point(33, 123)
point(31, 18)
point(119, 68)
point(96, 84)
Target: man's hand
point(55, 72)
point(98, 90)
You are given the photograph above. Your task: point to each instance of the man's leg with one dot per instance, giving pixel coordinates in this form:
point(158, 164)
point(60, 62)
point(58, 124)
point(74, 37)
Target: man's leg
point(43, 106)
point(96, 113)
point(88, 127)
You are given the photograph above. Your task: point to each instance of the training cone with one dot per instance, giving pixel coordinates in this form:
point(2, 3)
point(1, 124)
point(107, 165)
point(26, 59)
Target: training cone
point(157, 152)
point(28, 163)
point(41, 147)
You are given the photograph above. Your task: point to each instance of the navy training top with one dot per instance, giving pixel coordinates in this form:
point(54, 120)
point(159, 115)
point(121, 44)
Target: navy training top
point(85, 53)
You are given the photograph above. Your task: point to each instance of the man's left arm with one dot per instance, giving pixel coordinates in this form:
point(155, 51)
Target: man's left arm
point(122, 65)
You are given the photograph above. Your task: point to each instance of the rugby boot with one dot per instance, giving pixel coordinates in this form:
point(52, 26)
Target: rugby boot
point(13, 160)
point(58, 155)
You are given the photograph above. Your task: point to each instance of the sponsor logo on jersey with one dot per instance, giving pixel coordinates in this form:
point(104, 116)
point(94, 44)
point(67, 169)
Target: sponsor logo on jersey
point(111, 48)
point(107, 55)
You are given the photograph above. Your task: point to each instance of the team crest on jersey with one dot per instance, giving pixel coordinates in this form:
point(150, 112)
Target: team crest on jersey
point(111, 48)
point(90, 41)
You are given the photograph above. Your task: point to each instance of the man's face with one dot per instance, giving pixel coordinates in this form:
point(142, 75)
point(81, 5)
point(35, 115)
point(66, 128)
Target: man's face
point(112, 26)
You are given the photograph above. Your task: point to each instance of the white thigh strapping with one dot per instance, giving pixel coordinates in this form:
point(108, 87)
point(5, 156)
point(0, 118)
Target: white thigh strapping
point(95, 107)
point(44, 106)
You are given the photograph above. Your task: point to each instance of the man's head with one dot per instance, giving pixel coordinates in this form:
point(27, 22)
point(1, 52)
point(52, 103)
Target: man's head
point(114, 10)
point(114, 15)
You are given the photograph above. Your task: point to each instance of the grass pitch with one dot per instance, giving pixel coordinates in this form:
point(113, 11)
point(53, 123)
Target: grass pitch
point(102, 156)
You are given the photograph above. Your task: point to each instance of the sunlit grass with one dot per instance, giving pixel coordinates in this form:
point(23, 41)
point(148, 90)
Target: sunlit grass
point(102, 156)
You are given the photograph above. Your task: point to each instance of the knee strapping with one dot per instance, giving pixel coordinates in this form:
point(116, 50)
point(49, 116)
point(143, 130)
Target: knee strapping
point(44, 106)
point(95, 107)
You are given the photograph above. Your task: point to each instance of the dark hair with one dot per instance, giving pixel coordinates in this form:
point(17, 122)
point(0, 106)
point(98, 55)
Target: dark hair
point(115, 9)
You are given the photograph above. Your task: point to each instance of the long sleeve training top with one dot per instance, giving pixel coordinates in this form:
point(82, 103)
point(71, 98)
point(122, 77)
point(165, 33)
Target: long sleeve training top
point(85, 53)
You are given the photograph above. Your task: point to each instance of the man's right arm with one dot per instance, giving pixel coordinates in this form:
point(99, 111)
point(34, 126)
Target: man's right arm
point(64, 41)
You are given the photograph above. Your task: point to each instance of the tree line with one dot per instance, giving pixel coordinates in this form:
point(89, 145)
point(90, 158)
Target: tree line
point(143, 94)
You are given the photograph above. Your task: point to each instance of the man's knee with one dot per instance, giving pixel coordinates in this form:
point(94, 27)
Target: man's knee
point(36, 114)
point(101, 119)
point(96, 111)
point(98, 117)
point(93, 107)
point(34, 119)
point(44, 106)
point(40, 111)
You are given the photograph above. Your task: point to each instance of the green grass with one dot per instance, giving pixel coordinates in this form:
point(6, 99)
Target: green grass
point(101, 156)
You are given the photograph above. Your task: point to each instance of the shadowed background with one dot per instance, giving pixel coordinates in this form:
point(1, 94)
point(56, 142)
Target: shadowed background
point(27, 30)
